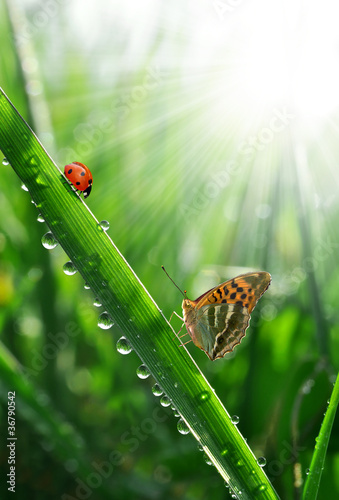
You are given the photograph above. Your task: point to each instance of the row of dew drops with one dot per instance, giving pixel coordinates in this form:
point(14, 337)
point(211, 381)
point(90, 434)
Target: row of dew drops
point(105, 320)
point(123, 347)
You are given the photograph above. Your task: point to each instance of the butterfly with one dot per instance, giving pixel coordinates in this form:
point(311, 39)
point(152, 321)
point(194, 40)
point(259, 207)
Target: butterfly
point(217, 320)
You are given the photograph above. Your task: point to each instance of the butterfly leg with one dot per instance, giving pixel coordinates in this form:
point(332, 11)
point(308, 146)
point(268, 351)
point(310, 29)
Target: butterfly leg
point(177, 333)
point(176, 314)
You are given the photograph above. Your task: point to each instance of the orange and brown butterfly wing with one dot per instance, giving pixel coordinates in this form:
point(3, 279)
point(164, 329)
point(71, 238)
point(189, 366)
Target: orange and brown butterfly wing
point(218, 319)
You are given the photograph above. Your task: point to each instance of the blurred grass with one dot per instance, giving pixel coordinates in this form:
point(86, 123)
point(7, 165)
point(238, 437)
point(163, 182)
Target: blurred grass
point(153, 164)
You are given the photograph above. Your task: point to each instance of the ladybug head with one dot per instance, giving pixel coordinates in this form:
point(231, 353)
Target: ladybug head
point(87, 191)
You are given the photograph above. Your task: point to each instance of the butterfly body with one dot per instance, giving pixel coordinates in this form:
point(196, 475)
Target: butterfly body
point(217, 320)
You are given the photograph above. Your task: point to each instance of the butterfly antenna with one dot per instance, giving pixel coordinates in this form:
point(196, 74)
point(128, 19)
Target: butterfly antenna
point(183, 292)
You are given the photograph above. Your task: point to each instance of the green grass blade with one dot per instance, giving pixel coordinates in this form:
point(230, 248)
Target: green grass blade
point(318, 460)
point(131, 307)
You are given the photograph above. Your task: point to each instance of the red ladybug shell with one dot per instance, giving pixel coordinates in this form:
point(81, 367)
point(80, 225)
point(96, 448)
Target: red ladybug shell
point(80, 176)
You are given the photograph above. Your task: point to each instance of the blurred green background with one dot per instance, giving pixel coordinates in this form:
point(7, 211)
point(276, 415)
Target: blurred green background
point(211, 130)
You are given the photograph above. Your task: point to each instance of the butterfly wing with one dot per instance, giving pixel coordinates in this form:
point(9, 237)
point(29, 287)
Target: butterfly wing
point(218, 319)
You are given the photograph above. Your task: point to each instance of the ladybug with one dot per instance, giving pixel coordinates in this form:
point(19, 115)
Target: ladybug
point(80, 176)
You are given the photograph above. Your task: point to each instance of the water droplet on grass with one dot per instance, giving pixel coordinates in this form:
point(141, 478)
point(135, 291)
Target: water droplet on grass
point(261, 461)
point(235, 419)
point(204, 396)
point(307, 471)
point(97, 303)
point(48, 241)
point(25, 188)
point(5, 162)
point(157, 391)
point(261, 489)
point(207, 459)
point(143, 372)
point(165, 401)
point(105, 321)
point(33, 161)
point(69, 268)
point(105, 225)
point(86, 286)
point(175, 412)
point(182, 427)
point(40, 218)
point(123, 346)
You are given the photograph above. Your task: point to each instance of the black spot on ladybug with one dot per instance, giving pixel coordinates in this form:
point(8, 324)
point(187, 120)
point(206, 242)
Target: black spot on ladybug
point(69, 171)
point(82, 174)
point(77, 183)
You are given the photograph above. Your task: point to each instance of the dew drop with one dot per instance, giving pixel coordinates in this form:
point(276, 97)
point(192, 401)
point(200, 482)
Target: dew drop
point(175, 412)
point(69, 268)
point(5, 162)
point(123, 346)
point(143, 372)
point(40, 218)
point(307, 471)
point(204, 396)
point(235, 419)
point(33, 161)
point(182, 427)
point(48, 241)
point(25, 188)
point(165, 401)
point(104, 224)
point(105, 321)
point(261, 461)
point(207, 459)
point(157, 391)
point(97, 303)
point(86, 286)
